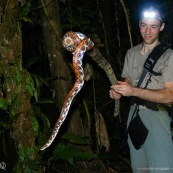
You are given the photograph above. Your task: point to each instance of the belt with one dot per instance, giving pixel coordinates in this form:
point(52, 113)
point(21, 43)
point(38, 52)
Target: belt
point(143, 104)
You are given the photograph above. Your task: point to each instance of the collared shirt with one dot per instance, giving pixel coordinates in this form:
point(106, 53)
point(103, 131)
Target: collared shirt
point(133, 67)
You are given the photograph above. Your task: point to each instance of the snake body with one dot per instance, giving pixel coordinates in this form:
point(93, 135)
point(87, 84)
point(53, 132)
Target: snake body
point(78, 44)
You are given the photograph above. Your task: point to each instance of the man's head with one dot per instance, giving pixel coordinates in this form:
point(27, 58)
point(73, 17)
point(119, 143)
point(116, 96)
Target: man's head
point(151, 24)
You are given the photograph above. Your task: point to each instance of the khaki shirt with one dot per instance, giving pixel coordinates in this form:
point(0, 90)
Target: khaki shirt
point(133, 67)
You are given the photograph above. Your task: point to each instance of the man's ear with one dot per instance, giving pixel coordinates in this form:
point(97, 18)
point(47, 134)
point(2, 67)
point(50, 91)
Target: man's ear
point(162, 26)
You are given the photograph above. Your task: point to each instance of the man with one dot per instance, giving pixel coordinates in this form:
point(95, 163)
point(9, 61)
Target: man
point(156, 154)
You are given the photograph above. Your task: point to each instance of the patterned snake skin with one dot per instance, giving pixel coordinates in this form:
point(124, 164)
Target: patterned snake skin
point(78, 44)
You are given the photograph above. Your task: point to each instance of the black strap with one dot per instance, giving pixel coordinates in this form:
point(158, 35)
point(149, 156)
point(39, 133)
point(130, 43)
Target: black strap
point(152, 60)
point(144, 73)
point(150, 63)
point(155, 55)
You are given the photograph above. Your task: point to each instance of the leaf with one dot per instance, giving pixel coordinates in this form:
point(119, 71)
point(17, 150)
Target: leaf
point(25, 19)
point(126, 160)
point(3, 104)
point(46, 125)
point(30, 84)
point(36, 95)
point(75, 139)
point(101, 131)
point(164, 107)
point(46, 101)
point(35, 125)
point(17, 78)
point(33, 61)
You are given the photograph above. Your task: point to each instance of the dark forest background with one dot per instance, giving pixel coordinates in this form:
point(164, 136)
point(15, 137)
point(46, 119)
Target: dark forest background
point(36, 74)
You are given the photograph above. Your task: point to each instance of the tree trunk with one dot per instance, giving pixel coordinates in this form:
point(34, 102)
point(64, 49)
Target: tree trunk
point(14, 87)
point(59, 67)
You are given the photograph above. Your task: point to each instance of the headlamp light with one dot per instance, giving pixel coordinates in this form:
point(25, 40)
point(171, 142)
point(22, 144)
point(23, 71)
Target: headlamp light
point(151, 14)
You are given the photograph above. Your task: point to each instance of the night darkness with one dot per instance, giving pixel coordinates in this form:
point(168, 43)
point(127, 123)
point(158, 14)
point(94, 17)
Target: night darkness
point(105, 22)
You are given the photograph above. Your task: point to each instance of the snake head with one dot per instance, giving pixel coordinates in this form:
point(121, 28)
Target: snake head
point(72, 40)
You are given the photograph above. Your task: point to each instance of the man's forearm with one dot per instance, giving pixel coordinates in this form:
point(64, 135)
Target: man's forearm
point(164, 95)
point(157, 96)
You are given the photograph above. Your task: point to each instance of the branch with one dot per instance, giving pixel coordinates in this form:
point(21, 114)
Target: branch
point(104, 64)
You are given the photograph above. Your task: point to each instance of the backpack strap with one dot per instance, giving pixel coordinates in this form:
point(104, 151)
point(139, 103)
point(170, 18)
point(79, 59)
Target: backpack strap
point(152, 59)
point(154, 56)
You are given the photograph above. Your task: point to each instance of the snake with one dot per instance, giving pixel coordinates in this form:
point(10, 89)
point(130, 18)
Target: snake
point(76, 43)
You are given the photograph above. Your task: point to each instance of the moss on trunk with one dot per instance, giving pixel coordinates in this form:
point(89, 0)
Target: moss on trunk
point(14, 90)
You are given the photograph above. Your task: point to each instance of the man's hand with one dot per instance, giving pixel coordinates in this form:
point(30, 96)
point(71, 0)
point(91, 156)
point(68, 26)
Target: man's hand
point(123, 88)
point(114, 95)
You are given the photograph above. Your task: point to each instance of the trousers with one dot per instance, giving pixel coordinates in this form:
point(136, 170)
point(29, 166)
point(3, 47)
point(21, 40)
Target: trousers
point(156, 154)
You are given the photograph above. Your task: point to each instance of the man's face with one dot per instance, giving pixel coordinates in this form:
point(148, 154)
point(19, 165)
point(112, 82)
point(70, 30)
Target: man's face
point(150, 29)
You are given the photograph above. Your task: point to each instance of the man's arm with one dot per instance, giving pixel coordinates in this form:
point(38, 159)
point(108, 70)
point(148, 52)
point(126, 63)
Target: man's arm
point(164, 95)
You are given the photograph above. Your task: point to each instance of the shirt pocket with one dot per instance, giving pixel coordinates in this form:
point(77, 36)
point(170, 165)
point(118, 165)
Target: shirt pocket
point(159, 68)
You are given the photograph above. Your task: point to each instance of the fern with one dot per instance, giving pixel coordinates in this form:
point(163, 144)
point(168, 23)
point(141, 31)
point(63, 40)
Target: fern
point(71, 154)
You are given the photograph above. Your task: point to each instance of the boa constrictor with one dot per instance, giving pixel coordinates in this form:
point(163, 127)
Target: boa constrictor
point(78, 44)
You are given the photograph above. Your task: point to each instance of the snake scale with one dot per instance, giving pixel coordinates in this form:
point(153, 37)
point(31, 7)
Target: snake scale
point(78, 44)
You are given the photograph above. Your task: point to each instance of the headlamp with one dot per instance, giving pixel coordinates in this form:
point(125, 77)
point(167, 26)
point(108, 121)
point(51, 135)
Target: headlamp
point(151, 14)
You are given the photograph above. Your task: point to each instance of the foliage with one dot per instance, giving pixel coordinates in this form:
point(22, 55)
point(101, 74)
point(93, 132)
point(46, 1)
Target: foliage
point(42, 128)
point(31, 86)
point(31, 163)
point(3, 104)
point(26, 8)
point(76, 139)
point(70, 154)
point(79, 16)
